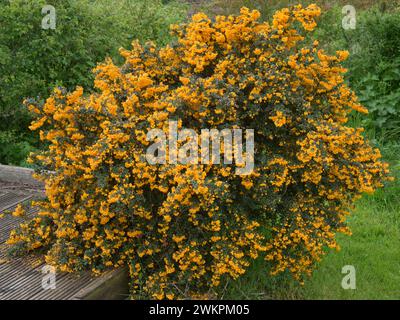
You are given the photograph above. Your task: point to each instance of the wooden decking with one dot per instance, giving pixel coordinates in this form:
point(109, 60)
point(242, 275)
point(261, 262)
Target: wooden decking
point(21, 278)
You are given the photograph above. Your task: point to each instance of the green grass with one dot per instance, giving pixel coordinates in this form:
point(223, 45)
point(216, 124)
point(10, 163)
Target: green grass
point(373, 249)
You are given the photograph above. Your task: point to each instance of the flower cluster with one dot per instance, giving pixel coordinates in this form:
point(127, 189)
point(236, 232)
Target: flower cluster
point(183, 229)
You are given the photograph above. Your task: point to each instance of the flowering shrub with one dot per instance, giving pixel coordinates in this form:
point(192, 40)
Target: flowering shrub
point(181, 228)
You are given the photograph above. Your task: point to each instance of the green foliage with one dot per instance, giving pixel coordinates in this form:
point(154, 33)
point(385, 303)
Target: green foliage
point(34, 60)
point(13, 149)
point(377, 70)
point(374, 63)
point(380, 92)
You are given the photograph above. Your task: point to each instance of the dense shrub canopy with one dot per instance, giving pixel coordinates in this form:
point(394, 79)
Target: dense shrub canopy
point(183, 229)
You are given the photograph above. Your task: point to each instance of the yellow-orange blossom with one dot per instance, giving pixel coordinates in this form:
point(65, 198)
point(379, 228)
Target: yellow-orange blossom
point(183, 229)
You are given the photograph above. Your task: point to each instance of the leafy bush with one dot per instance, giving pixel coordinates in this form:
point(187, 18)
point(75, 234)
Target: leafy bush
point(374, 66)
point(14, 149)
point(184, 229)
point(34, 60)
point(377, 70)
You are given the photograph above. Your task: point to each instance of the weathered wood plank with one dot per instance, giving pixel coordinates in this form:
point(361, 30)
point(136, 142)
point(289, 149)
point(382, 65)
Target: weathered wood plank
point(11, 174)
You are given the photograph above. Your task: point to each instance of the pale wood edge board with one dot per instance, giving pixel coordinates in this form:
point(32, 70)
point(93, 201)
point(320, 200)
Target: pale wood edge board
point(11, 174)
point(112, 285)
